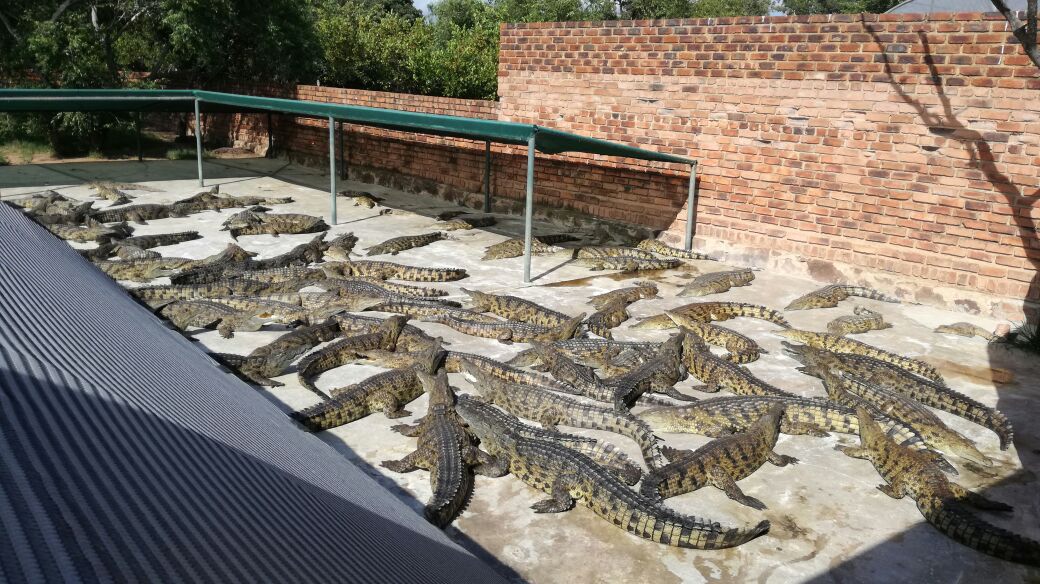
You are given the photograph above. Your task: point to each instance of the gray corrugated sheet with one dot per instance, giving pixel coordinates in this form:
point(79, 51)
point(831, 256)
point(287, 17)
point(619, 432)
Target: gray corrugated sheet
point(127, 455)
point(929, 6)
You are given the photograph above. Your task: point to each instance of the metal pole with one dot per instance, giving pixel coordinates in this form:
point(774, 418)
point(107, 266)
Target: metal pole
point(332, 169)
point(342, 165)
point(137, 124)
point(198, 141)
point(529, 209)
point(487, 176)
point(270, 135)
point(691, 206)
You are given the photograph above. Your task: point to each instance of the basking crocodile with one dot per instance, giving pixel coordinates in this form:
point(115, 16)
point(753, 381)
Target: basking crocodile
point(92, 231)
point(345, 350)
point(550, 409)
point(514, 308)
point(465, 223)
point(396, 245)
point(132, 252)
point(271, 310)
point(741, 349)
point(568, 476)
point(143, 270)
point(658, 374)
point(944, 504)
point(893, 378)
point(237, 262)
point(581, 377)
point(339, 248)
point(510, 331)
point(717, 373)
point(830, 296)
point(611, 251)
point(850, 392)
point(603, 453)
point(427, 310)
point(714, 311)
point(257, 223)
point(137, 213)
point(109, 191)
point(211, 201)
point(662, 249)
point(595, 352)
point(514, 248)
point(362, 199)
point(454, 360)
point(965, 329)
point(721, 462)
point(861, 321)
point(64, 214)
point(411, 338)
point(641, 291)
point(443, 448)
point(628, 264)
point(272, 359)
point(371, 288)
point(840, 344)
point(161, 239)
point(207, 314)
point(717, 282)
point(390, 270)
point(387, 392)
point(606, 318)
point(156, 296)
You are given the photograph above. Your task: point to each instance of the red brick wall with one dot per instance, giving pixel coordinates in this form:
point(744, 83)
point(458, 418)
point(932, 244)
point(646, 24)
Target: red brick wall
point(907, 145)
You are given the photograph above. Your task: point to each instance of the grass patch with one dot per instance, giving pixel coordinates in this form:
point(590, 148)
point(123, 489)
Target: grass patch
point(25, 150)
point(186, 154)
point(1024, 336)
point(4, 161)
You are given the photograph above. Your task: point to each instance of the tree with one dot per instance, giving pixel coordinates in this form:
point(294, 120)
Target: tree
point(1025, 32)
point(837, 6)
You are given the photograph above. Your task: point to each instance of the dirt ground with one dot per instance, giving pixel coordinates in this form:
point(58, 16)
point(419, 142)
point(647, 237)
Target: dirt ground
point(829, 522)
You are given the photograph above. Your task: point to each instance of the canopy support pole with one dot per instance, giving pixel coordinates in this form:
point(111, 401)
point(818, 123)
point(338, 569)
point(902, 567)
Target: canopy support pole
point(137, 127)
point(487, 176)
point(344, 171)
point(270, 135)
point(332, 170)
point(529, 209)
point(198, 141)
point(691, 206)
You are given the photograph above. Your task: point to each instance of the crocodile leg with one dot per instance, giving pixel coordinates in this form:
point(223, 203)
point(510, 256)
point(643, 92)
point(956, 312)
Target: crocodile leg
point(494, 468)
point(675, 394)
point(781, 459)
point(854, 452)
point(894, 490)
point(407, 464)
point(723, 481)
point(559, 500)
point(802, 428)
point(410, 431)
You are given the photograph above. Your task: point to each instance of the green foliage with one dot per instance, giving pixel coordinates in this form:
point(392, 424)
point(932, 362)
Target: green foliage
point(836, 6)
point(1024, 336)
point(4, 161)
point(647, 9)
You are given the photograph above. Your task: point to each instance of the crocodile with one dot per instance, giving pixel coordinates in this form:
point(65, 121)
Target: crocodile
point(73, 214)
point(830, 296)
point(658, 374)
point(861, 321)
point(257, 223)
point(425, 310)
point(454, 360)
point(93, 231)
point(390, 270)
point(123, 186)
point(466, 223)
point(661, 249)
point(717, 282)
point(853, 393)
point(207, 314)
point(272, 359)
point(41, 201)
point(721, 462)
point(161, 239)
point(411, 339)
point(603, 453)
point(143, 270)
point(510, 331)
point(378, 289)
point(396, 245)
point(965, 329)
point(927, 392)
point(611, 251)
point(715, 311)
point(112, 191)
point(549, 409)
point(387, 392)
point(514, 308)
point(717, 373)
point(157, 296)
point(943, 503)
point(581, 377)
point(362, 199)
point(339, 248)
point(606, 318)
point(569, 476)
point(597, 352)
point(271, 310)
point(230, 254)
point(641, 291)
point(740, 349)
point(514, 248)
point(344, 350)
point(418, 292)
point(624, 264)
point(132, 252)
point(443, 448)
point(210, 201)
point(140, 214)
point(840, 344)
point(235, 261)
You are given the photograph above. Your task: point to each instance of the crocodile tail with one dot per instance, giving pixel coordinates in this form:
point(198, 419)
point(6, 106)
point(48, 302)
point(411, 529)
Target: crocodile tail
point(637, 430)
point(648, 488)
point(963, 526)
point(452, 484)
point(870, 293)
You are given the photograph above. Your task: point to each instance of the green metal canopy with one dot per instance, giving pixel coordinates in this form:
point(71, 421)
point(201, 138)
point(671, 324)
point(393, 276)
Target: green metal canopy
point(535, 137)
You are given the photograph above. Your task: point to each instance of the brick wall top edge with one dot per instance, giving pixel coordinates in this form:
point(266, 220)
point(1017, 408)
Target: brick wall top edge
point(743, 20)
point(388, 96)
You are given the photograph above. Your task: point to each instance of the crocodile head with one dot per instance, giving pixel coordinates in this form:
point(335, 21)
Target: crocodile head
point(479, 416)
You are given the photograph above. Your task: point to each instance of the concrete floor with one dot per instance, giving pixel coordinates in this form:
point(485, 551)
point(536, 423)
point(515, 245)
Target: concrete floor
point(830, 524)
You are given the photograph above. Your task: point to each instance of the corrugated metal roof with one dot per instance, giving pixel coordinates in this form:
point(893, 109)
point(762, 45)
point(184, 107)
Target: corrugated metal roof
point(127, 454)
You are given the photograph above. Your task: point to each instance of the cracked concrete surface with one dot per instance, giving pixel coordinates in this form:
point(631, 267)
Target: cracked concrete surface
point(829, 522)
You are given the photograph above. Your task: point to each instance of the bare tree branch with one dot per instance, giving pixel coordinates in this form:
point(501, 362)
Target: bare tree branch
point(61, 9)
point(1021, 29)
point(10, 29)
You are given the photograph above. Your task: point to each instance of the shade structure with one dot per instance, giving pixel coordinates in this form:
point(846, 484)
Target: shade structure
point(534, 137)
